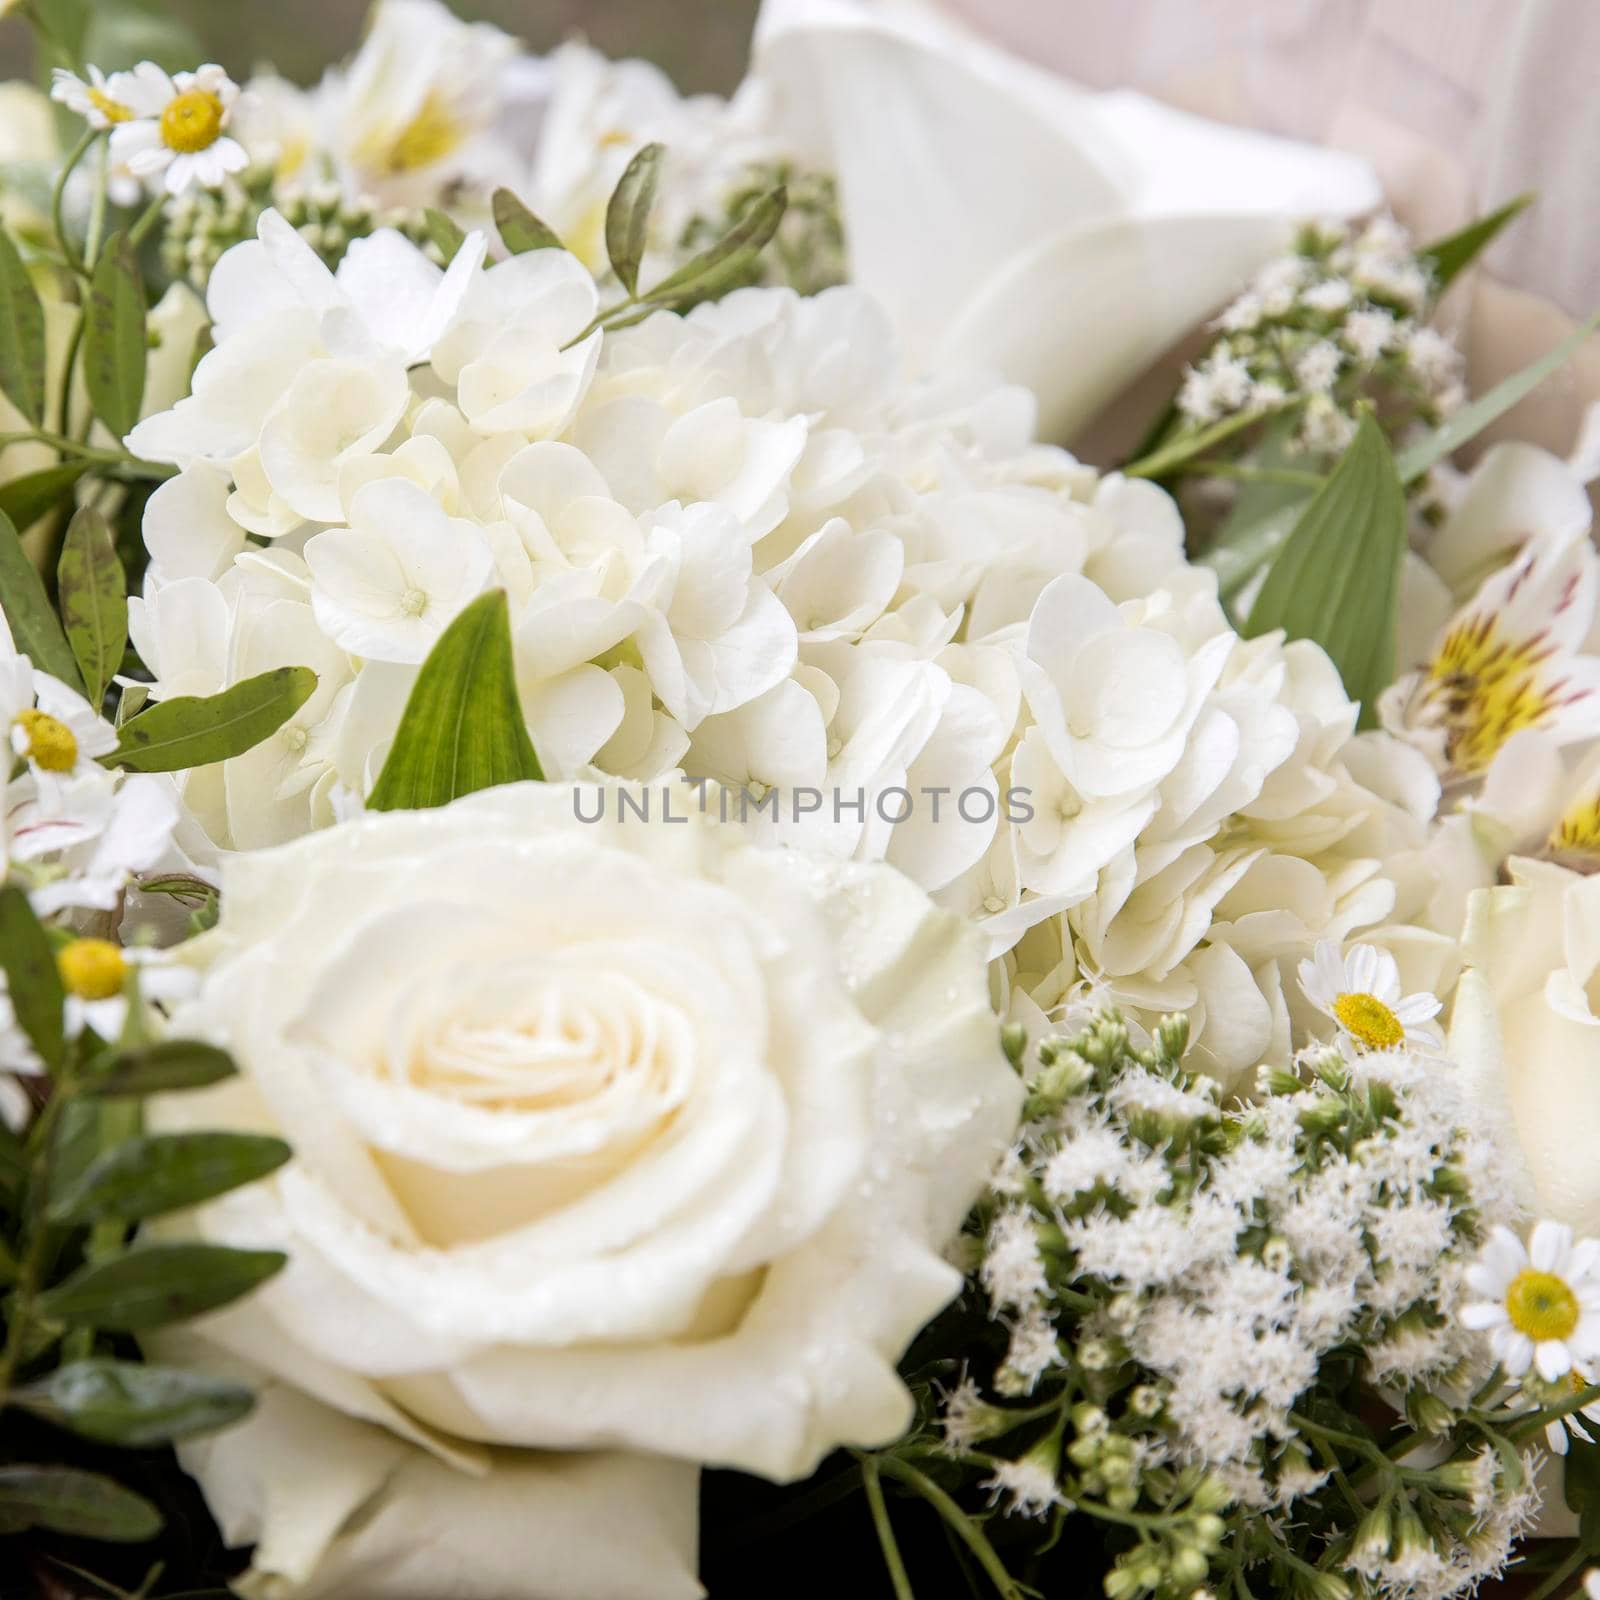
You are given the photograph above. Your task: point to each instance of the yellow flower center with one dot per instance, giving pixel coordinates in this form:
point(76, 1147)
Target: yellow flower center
point(50, 743)
point(92, 969)
point(1541, 1306)
point(1369, 1021)
point(1484, 688)
point(192, 121)
point(429, 137)
point(112, 110)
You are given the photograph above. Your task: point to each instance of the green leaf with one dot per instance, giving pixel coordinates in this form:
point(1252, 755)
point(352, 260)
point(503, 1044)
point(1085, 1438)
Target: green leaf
point(156, 1284)
point(520, 230)
point(748, 236)
point(1451, 256)
point(32, 980)
point(66, 1500)
point(161, 1068)
point(1262, 515)
point(24, 500)
point(628, 215)
point(1337, 578)
point(21, 335)
point(94, 600)
point(192, 732)
point(132, 1405)
point(154, 1173)
point(1472, 419)
point(463, 728)
point(114, 347)
point(32, 618)
point(444, 233)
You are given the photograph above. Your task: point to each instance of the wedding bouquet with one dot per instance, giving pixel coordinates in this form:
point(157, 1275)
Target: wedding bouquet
point(647, 941)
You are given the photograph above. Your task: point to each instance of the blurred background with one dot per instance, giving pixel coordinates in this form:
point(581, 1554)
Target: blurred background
point(702, 43)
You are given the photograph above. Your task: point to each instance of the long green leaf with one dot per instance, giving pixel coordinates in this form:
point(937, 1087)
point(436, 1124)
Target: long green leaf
point(135, 1406)
point(1451, 256)
point(748, 236)
point(67, 1500)
point(161, 1068)
point(94, 600)
point(1337, 578)
point(462, 729)
point(32, 619)
point(628, 215)
point(520, 230)
point(32, 980)
point(1473, 419)
point(24, 500)
point(114, 344)
point(156, 1284)
point(154, 1173)
point(191, 732)
point(22, 349)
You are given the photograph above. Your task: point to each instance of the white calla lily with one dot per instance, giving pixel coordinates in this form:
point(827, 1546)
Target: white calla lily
point(1073, 205)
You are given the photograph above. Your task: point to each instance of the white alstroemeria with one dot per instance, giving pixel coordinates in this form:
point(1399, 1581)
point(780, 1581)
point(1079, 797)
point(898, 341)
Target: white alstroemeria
point(100, 978)
point(416, 107)
point(102, 102)
point(1361, 993)
point(712, 636)
point(1539, 1302)
point(1514, 657)
point(1114, 699)
point(178, 133)
point(51, 727)
point(1125, 199)
point(507, 351)
point(389, 584)
point(1515, 493)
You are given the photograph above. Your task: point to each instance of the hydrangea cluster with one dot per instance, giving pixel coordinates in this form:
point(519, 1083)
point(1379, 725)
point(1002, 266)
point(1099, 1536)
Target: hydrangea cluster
point(1209, 1310)
point(1336, 321)
point(743, 545)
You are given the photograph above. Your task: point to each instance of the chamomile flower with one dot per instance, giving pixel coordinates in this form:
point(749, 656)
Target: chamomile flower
point(179, 134)
point(53, 729)
point(100, 977)
point(1539, 1303)
point(1361, 992)
point(102, 102)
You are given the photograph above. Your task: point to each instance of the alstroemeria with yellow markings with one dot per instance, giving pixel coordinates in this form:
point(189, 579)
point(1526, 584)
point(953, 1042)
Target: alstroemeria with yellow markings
point(1512, 659)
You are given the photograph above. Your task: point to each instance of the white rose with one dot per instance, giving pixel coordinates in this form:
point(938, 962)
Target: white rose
point(1526, 1028)
point(611, 1135)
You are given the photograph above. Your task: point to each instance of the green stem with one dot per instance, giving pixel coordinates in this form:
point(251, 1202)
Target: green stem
point(97, 211)
point(1245, 472)
point(957, 1520)
point(147, 220)
point(898, 1576)
point(74, 344)
point(58, 199)
point(31, 1268)
point(89, 452)
point(1529, 1426)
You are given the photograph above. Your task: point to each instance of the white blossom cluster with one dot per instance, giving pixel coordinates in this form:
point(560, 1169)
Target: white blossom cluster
point(1182, 1284)
point(1339, 318)
point(740, 544)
